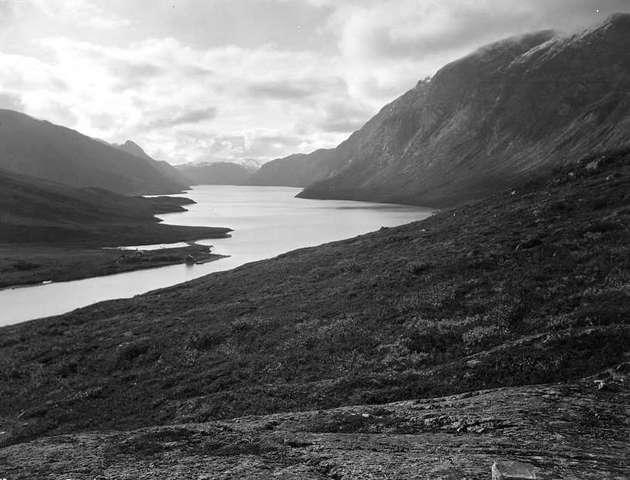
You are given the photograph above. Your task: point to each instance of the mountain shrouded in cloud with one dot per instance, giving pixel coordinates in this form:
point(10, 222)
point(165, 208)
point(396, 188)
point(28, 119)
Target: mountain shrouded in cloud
point(193, 79)
point(488, 119)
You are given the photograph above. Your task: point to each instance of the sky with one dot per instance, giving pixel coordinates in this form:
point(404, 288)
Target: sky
point(241, 80)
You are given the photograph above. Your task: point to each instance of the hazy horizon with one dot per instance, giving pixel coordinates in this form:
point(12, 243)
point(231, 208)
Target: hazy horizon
point(233, 81)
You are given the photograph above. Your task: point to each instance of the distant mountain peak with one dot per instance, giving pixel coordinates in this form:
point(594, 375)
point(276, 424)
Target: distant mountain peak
point(215, 173)
point(618, 19)
point(52, 152)
point(133, 148)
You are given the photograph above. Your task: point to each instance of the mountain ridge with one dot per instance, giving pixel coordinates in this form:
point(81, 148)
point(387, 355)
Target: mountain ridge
point(163, 166)
point(52, 152)
point(488, 119)
point(216, 173)
point(38, 211)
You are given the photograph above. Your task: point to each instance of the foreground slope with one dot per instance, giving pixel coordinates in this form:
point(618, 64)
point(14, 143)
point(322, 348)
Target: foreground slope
point(564, 430)
point(51, 152)
point(526, 287)
point(487, 120)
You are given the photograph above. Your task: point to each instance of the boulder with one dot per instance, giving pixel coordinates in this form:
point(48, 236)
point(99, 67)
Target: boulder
point(505, 470)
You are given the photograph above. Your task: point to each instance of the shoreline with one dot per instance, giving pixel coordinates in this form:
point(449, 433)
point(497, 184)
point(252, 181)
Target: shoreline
point(25, 267)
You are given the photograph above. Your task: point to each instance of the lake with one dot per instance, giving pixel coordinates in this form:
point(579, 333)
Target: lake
point(267, 221)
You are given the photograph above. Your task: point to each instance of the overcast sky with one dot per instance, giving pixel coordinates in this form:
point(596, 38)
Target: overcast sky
point(194, 80)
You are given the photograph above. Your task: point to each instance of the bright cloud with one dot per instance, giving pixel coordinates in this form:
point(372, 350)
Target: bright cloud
point(254, 79)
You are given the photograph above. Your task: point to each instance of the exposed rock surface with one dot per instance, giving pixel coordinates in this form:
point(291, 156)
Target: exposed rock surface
point(487, 120)
point(562, 431)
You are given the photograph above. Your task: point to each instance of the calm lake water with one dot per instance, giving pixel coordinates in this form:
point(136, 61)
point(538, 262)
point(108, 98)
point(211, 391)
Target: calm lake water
point(267, 221)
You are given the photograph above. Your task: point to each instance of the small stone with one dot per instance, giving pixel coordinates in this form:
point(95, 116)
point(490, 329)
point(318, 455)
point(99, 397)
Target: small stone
point(505, 470)
point(594, 165)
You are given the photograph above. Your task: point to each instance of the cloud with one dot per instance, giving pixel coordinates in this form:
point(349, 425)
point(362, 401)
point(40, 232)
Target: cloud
point(297, 88)
point(167, 120)
point(10, 101)
point(278, 90)
point(247, 79)
point(388, 45)
point(152, 90)
point(344, 117)
point(84, 12)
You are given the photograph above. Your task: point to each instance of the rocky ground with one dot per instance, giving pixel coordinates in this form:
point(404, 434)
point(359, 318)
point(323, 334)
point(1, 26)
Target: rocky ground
point(561, 431)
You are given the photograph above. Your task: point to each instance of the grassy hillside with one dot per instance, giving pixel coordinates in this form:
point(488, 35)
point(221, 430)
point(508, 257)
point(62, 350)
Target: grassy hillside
point(39, 211)
point(50, 231)
point(526, 287)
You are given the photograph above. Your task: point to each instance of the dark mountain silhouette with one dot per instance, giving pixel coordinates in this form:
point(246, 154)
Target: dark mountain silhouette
point(484, 121)
point(132, 147)
point(166, 168)
point(218, 173)
point(298, 170)
point(36, 210)
point(41, 149)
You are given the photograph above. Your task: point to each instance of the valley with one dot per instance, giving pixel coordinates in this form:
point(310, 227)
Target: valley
point(441, 291)
point(500, 293)
point(266, 221)
point(54, 232)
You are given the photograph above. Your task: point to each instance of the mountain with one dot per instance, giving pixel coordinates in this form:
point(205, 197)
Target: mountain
point(133, 148)
point(33, 210)
point(298, 170)
point(42, 149)
point(218, 173)
point(522, 288)
point(487, 120)
point(166, 168)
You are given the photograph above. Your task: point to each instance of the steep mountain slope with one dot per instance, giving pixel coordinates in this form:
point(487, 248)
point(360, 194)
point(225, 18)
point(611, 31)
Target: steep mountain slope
point(529, 286)
point(218, 173)
point(488, 119)
point(42, 149)
point(298, 170)
point(166, 168)
point(133, 148)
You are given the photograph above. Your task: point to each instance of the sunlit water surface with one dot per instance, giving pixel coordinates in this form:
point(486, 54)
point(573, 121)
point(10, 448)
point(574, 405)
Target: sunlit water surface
point(267, 221)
